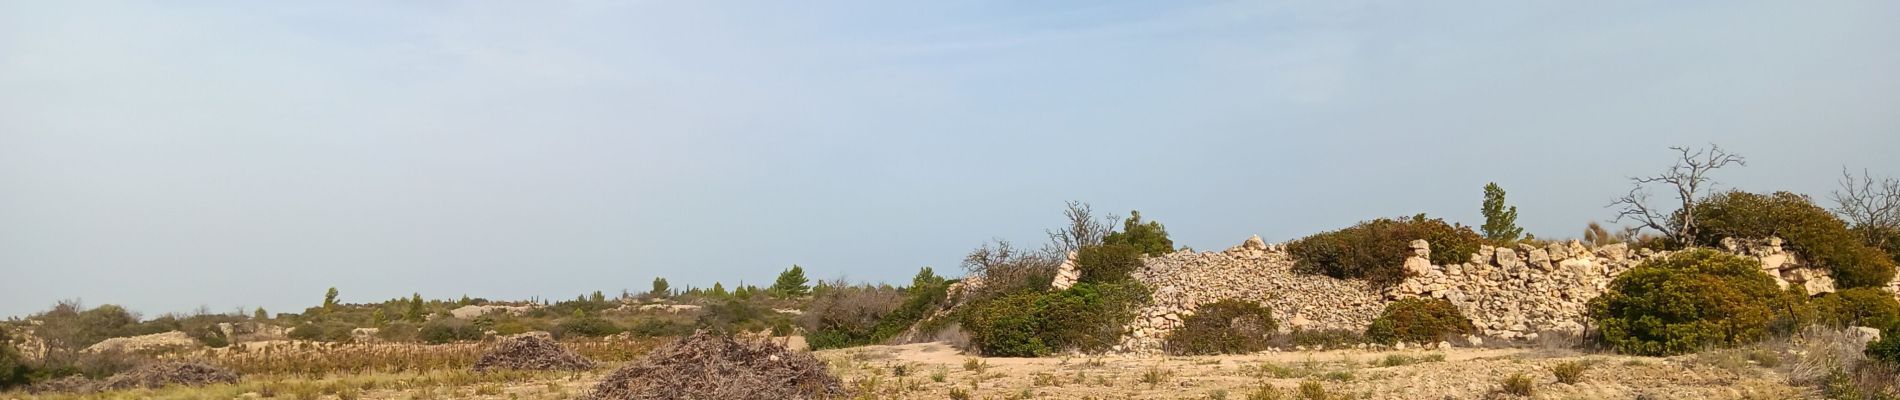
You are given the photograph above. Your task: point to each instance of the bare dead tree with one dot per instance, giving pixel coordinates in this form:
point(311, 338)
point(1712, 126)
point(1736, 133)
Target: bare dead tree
point(1689, 177)
point(1004, 268)
point(1082, 230)
point(1871, 205)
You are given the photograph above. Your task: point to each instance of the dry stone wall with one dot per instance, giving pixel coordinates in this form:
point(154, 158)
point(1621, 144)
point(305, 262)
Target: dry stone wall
point(1253, 271)
point(1508, 292)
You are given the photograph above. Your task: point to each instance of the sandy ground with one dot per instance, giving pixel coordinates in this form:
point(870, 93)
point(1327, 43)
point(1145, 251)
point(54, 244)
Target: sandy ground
point(939, 371)
point(933, 371)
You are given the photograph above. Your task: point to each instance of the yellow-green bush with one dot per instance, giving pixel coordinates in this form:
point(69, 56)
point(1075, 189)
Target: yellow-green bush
point(1223, 327)
point(1688, 301)
point(1868, 307)
point(1086, 317)
point(12, 368)
point(1375, 250)
point(1107, 263)
point(1810, 230)
point(1417, 320)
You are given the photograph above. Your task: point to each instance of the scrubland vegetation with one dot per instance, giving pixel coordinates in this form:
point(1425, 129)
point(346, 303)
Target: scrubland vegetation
point(1704, 309)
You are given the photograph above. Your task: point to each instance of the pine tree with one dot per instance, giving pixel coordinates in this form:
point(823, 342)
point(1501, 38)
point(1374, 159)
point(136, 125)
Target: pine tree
point(599, 297)
point(378, 318)
point(718, 290)
point(415, 313)
point(260, 315)
point(791, 283)
point(660, 288)
point(329, 300)
point(1500, 221)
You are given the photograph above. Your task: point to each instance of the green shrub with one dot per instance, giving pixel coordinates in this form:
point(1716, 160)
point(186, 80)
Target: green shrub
point(13, 370)
point(1375, 250)
point(1417, 320)
point(399, 331)
point(1328, 338)
point(844, 316)
point(1868, 307)
point(1223, 327)
point(1814, 233)
point(588, 326)
point(1107, 263)
point(1147, 238)
point(1090, 316)
point(1007, 326)
point(322, 332)
point(1689, 301)
point(448, 330)
point(1887, 349)
point(1087, 317)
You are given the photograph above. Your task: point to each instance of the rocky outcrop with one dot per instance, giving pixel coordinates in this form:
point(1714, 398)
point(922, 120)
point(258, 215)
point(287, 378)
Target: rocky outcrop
point(1066, 274)
point(1512, 292)
point(1517, 292)
point(1252, 271)
point(470, 312)
point(1786, 267)
point(156, 341)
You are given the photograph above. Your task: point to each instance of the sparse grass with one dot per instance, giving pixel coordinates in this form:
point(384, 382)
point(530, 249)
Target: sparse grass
point(1265, 392)
point(1570, 372)
point(975, 364)
point(1154, 376)
point(1217, 394)
point(1519, 384)
point(1313, 390)
point(1394, 360)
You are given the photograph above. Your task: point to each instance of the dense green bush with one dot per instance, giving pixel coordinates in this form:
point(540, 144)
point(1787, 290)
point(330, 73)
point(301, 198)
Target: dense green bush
point(13, 370)
point(1088, 317)
point(1375, 250)
point(399, 331)
point(1869, 307)
point(1223, 327)
point(1887, 349)
point(448, 330)
point(1689, 301)
point(1417, 320)
point(1107, 263)
point(1148, 238)
point(1007, 326)
point(322, 332)
point(1813, 232)
point(586, 326)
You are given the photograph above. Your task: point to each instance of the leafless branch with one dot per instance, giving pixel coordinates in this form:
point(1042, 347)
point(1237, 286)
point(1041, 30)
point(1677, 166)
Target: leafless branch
point(1689, 177)
point(1082, 230)
point(1872, 205)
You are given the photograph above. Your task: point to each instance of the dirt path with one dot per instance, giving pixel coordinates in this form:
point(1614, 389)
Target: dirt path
point(935, 371)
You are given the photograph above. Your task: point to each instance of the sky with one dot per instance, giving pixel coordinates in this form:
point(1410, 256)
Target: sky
point(168, 156)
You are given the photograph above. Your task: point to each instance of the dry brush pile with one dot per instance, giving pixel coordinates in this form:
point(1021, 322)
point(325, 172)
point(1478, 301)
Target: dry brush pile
point(148, 376)
point(534, 354)
point(711, 366)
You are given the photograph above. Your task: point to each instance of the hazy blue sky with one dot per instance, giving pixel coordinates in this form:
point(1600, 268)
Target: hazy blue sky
point(166, 155)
